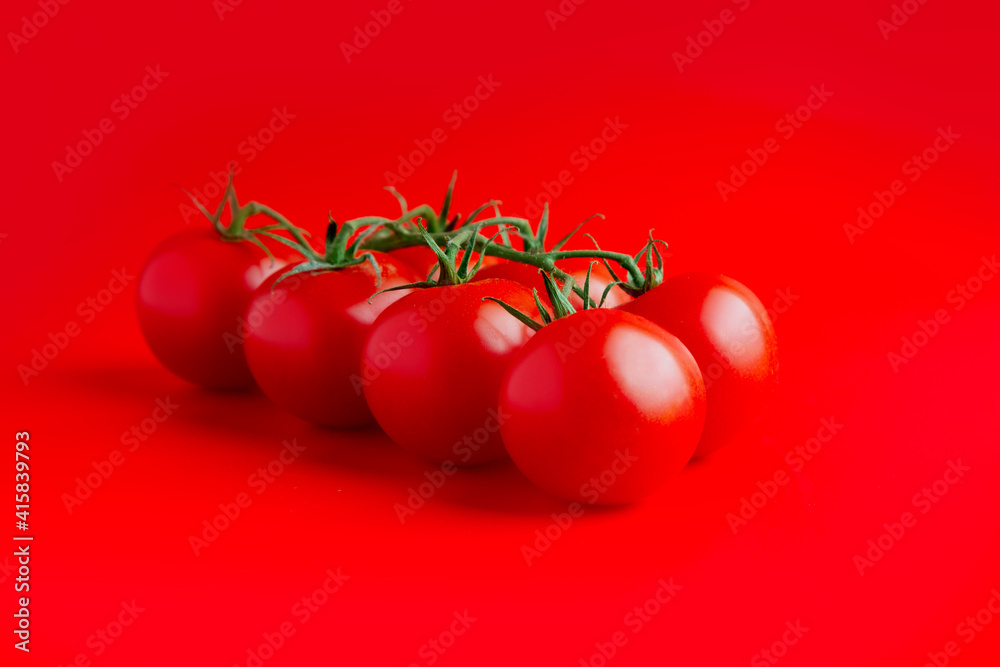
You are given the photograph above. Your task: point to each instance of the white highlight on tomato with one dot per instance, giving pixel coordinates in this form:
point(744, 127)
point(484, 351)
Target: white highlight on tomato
point(644, 370)
point(498, 331)
point(258, 273)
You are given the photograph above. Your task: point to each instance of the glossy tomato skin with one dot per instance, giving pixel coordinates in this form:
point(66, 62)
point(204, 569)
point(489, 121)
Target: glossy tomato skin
point(602, 407)
point(528, 275)
point(432, 368)
point(305, 340)
point(727, 329)
point(192, 293)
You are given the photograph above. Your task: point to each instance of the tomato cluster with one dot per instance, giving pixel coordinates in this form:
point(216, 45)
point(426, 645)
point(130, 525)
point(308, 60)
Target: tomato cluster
point(595, 386)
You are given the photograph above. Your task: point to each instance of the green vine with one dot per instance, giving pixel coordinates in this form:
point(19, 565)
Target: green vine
point(353, 242)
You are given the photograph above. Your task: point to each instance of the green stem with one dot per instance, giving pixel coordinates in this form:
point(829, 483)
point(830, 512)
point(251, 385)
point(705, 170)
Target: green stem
point(385, 235)
point(541, 260)
point(253, 208)
point(625, 261)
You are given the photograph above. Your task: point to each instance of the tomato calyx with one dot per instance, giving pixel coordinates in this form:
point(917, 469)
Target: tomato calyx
point(451, 270)
point(561, 305)
point(651, 277)
point(446, 229)
point(341, 248)
point(534, 252)
point(237, 229)
point(408, 230)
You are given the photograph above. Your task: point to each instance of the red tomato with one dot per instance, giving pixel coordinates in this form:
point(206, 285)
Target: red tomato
point(193, 292)
point(305, 341)
point(727, 329)
point(432, 368)
point(602, 407)
point(422, 259)
point(528, 275)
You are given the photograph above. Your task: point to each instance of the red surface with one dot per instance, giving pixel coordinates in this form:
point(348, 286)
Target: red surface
point(841, 308)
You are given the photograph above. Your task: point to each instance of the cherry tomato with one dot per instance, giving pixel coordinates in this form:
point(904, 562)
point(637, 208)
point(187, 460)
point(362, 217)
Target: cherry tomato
point(602, 407)
point(305, 340)
point(193, 291)
point(528, 275)
point(727, 329)
point(432, 368)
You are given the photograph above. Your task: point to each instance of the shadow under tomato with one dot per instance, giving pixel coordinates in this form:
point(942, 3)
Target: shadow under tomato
point(366, 450)
point(501, 488)
point(228, 413)
point(247, 419)
point(497, 486)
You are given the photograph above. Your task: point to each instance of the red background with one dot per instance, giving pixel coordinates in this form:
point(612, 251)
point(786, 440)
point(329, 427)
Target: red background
point(782, 230)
